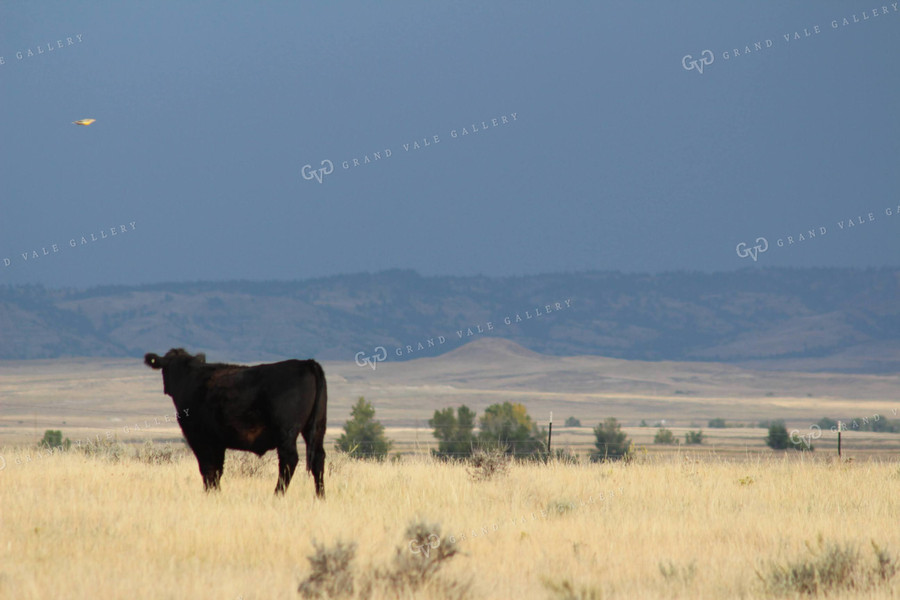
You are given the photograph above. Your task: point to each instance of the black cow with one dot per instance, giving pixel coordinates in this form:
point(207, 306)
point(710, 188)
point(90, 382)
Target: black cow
point(256, 408)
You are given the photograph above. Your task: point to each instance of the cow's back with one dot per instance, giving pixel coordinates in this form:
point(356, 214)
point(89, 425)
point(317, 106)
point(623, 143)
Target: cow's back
point(255, 408)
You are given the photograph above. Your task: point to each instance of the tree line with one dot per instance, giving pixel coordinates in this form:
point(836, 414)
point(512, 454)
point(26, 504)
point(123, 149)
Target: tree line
point(508, 428)
point(505, 428)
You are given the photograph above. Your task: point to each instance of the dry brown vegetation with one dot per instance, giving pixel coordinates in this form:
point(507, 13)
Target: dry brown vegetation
point(78, 526)
point(126, 517)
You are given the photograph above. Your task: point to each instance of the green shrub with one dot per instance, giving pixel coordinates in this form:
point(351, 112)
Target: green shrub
point(611, 442)
point(717, 423)
point(509, 426)
point(454, 432)
point(779, 439)
point(664, 436)
point(573, 422)
point(693, 437)
point(363, 436)
point(53, 439)
point(875, 423)
point(825, 424)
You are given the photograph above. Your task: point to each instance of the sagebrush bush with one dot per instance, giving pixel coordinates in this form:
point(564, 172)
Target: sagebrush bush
point(564, 456)
point(561, 507)
point(485, 465)
point(336, 460)
point(566, 590)
point(414, 567)
point(674, 573)
point(247, 464)
point(332, 571)
point(416, 563)
point(153, 454)
point(106, 449)
point(832, 567)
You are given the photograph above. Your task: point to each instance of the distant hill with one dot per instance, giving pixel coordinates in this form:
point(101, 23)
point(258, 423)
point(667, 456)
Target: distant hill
point(800, 319)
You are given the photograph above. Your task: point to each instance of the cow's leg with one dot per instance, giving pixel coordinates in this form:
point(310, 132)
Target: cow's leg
point(315, 461)
point(318, 468)
point(287, 462)
point(212, 463)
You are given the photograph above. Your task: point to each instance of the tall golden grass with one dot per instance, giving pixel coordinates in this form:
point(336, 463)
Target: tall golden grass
point(677, 526)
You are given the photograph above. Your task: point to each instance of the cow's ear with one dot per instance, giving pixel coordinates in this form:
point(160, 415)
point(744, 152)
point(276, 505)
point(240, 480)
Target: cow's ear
point(152, 361)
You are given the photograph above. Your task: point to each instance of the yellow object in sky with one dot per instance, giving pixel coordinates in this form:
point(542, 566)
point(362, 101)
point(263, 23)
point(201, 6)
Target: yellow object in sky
point(84, 122)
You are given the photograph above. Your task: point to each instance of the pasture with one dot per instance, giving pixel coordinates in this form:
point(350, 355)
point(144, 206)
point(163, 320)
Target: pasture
point(680, 526)
point(720, 520)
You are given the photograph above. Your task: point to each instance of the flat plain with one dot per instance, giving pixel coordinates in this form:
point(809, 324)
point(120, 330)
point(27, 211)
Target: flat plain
point(719, 520)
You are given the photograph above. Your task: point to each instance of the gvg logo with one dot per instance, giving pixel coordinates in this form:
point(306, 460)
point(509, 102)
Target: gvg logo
point(373, 360)
point(326, 168)
point(415, 546)
point(814, 434)
point(690, 63)
point(762, 245)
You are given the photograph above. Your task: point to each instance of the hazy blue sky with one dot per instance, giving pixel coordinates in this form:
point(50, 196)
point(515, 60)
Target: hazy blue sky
point(618, 156)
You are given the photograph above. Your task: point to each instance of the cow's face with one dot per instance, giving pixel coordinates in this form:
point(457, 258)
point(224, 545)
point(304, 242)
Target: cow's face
point(176, 365)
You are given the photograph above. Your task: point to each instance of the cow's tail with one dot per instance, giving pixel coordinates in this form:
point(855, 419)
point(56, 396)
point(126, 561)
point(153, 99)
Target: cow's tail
point(315, 449)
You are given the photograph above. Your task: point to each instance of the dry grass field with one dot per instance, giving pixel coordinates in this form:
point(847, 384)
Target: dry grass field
point(680, 526)
point(728, 519)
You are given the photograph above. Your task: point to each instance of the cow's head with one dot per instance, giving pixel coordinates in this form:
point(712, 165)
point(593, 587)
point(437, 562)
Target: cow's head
point(173, 356)
point(176, 365)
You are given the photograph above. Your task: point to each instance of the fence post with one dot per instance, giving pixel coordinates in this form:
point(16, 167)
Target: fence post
point(550, 435)
point(839, 439)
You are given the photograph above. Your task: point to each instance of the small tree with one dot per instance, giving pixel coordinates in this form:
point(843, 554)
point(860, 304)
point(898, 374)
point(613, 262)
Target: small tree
point(826, 424)
point(53, 439)
point(779, 439)
point(363, 436)
point(454, 432)
point(508, 426)
point(664, 436)
point(717, 423)
point(694, 437)
point(611, 443)
point(573, 422)
point(885, 425)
